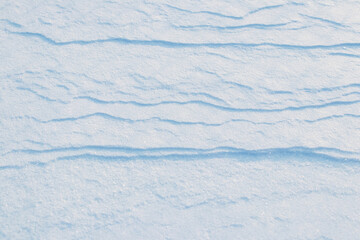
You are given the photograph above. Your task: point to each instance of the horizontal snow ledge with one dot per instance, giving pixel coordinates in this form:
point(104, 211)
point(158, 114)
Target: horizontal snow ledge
point(119, 153)
point(170, 44)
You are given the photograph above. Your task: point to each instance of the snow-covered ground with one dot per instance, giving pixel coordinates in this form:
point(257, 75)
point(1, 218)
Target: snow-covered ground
point(179, 119)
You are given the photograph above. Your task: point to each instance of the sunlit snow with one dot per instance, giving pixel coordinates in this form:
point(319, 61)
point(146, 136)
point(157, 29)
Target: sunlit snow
point(179, 119)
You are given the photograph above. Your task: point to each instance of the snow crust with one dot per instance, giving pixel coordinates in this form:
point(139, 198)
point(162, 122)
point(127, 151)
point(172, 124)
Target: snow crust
point(179, 119)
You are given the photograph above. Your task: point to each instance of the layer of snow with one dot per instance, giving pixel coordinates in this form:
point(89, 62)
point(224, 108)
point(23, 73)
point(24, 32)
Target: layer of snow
point(179, 120)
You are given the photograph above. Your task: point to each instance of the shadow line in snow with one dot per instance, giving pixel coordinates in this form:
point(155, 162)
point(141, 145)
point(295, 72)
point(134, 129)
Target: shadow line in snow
point(169, 44)
point(193, 154)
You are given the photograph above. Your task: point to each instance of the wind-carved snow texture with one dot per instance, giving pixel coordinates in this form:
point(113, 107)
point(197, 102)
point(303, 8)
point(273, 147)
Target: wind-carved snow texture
point(179, 119)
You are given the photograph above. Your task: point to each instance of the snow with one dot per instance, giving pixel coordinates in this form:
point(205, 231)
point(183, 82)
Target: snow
point(179, 120)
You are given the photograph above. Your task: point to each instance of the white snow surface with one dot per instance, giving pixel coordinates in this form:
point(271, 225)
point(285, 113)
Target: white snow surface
point(179, 119)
